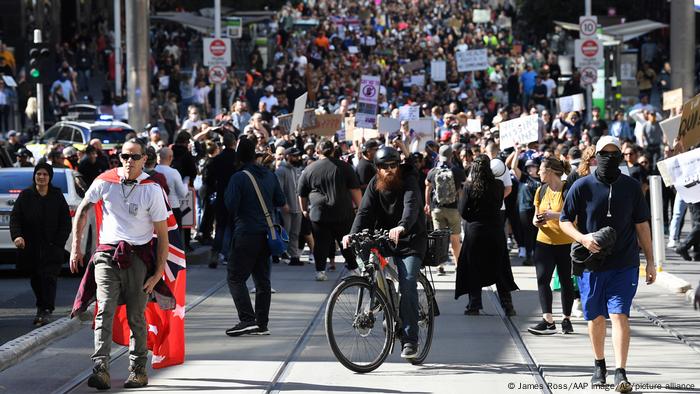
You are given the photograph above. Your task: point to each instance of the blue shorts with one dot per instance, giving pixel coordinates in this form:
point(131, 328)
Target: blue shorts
point(606, 292)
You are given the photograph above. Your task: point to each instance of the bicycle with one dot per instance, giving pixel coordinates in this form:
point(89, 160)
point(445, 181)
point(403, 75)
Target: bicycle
point(362, 315)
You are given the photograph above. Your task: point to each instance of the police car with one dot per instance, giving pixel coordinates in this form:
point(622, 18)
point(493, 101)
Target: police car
point(79, 133)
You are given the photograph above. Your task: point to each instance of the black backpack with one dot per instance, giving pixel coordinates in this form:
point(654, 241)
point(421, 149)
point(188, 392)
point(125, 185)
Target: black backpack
point(543, 190)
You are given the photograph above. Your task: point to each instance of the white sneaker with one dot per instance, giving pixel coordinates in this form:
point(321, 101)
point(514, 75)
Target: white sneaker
point(354, 272)
point(576, 309)
point(253, 290)
point(671, 243)
point(522, 252)
point(311, 259)
point(321, 276)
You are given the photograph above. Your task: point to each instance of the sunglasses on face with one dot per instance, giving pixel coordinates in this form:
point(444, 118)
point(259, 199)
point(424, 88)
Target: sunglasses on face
point(609, 154)
point(386, 166)
point(127, 156)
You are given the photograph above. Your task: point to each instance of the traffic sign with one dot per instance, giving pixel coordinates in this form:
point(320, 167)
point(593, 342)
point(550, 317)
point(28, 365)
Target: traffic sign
point(234, 26)
point(217, 74)
point(589, 53)
point(217, 51)
point(587, 26)
point(589, 75)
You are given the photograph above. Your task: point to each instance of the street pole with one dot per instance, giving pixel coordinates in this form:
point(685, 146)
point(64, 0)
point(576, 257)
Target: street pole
point(39, 92)
point(118, 47)
point(217, 34)
point(589, 88)
point(683, 47)
point(657, 221)
point(137, 76)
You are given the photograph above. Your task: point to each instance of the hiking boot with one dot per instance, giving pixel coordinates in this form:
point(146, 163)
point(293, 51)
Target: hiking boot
point(137, 377)
point(321, 276)
point(683, 252)
point(100, 377)
point(410, 350)
point(566, 327)
point(598, 377)
point(244, 327)
point(622, 385)
point(543, 328)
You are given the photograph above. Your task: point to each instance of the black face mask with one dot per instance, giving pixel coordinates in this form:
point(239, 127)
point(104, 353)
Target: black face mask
point(608, 166)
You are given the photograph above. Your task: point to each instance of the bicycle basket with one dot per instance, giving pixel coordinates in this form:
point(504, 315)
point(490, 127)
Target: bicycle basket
point(438, 247)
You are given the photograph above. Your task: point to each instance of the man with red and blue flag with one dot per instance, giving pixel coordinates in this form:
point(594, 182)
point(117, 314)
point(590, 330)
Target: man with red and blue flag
point(128, 266)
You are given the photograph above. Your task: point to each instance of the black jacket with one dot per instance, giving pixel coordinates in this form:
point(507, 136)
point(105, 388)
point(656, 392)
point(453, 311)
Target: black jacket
point(184, 162)
point(386, 210)
point(44, 223)
point(583, 259)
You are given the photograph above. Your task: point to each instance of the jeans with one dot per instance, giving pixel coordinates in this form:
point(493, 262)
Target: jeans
point(408, 267)
point(325, 234)
point(679, 209)
point(292, 223)
point(114, 283)
point(250, 255)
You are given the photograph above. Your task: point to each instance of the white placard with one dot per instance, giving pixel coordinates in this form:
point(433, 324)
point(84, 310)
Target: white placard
point(386, 124)
point(683, 172)
point(670, 127)
point(472, 60)
point(521, 130)
point(353, 50)
point(298, 113)
point(187, 208)
point(366, 116)
point(473, 125)
point(217, 51)
point(438, 70)
point(481, 16)
point(417, 80)
point(9, 81)
point(571, 103)
point(422, 126)
point(409, 112)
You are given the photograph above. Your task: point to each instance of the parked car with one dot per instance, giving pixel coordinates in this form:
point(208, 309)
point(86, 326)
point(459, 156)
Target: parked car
point(13, 181)
point(83, 113)
point(111, 133)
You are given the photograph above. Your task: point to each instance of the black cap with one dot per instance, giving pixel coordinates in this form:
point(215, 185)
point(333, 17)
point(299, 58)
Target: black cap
point(293, 151)
point(371, 144)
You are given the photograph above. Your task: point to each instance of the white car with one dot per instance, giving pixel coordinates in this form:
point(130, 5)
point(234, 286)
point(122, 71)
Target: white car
point(13, 181)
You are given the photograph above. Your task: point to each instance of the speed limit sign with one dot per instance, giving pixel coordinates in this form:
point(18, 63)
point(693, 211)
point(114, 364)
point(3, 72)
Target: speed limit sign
point(587, 26)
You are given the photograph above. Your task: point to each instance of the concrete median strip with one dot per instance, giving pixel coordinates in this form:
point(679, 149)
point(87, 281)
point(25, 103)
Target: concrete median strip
point(23, 347)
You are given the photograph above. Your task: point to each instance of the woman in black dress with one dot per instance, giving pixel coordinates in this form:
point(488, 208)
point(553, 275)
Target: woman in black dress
point(483, 260)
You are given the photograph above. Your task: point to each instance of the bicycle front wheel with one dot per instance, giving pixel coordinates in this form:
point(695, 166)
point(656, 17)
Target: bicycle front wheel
point(426, 319)
point(359, 325)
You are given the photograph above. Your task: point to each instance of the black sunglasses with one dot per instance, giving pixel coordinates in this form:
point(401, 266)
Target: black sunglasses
point(386, 166)
point(609, 154)
point(127, 156)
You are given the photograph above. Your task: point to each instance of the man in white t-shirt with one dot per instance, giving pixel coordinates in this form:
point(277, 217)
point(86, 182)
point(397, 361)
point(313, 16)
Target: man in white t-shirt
point(132, 208)
point(177, 189)
point(269, 98)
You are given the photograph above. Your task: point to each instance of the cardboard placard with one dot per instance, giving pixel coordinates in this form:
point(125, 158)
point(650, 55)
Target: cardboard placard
point(571, 103)
point(472, 60)
point(298, 113)
point(387, 125)
point(308, 121)
point(689, 130)
point(673, 99)
point(349, 126)
point(521, 130)
point(327, 125)
point(412, 66)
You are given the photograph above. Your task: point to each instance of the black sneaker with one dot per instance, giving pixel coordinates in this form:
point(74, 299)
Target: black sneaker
point(244, 327)
point(295, 261)
point(528, 262)
point(262, 330)
point(410, 350)
point(566, 327)
point(471, 311)
point(683, 252)
point(598, 378)
point(543, 328)
point(622, 385)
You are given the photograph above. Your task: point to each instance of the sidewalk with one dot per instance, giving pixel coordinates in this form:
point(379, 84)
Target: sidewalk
point(476, 353)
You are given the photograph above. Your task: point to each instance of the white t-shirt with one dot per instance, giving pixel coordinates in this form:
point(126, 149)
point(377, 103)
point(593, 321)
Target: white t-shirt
point(128, 219)
point(177, 189)
point(269, 102)
point(505, 178)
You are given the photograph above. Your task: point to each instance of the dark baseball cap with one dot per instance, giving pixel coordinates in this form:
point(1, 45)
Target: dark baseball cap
point(293, 151)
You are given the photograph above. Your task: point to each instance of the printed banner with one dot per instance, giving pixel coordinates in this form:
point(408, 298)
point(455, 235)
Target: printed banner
point(366, 116)
point(409, 112)
point(683, 172)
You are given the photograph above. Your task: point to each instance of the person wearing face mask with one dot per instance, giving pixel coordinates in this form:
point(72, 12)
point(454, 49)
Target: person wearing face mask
point(66, 85)
point(288, 173)
point(609, 199)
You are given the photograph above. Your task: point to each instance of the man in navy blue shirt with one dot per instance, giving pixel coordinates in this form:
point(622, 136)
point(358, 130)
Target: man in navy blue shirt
point(609, 198)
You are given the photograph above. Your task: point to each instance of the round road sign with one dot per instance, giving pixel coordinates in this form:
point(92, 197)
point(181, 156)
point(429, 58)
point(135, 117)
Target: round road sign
point(587, 27)
point(589, 48)
point(217, 47)
point(217, 74)
point(589, 75)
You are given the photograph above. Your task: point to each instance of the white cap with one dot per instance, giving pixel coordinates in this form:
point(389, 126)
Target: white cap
point(605, 141)
point(498, 168)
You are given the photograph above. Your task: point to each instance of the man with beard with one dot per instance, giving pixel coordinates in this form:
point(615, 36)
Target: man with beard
point(393, 202)
point(288, 174)
point(609, 199)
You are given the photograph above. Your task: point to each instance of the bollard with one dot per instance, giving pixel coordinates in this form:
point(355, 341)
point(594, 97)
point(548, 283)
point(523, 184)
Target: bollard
point(657, 221)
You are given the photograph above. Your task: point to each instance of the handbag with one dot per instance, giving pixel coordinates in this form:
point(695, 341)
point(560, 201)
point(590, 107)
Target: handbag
point(277, 238)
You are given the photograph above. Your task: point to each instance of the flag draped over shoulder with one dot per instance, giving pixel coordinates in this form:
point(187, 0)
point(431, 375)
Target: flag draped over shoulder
point(166, 326)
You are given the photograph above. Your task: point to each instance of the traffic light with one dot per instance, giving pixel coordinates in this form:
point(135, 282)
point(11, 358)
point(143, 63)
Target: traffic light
point(38, 56)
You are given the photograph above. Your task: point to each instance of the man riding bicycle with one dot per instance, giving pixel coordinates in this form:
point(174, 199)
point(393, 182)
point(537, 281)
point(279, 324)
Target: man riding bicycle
point(393, 202)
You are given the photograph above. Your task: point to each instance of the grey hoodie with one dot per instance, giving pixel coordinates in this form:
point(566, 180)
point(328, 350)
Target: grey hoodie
point(288, 177)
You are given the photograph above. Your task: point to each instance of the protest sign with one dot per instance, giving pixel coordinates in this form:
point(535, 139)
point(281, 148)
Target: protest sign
point(386, 124)
point(521, 130)
point(673, 99)
point(326, 124)
point(349, 124)
point(689, 130)
point(571, 103)
point(472, 60)
point(481, 16)
point(683, 172)
point(417, 80)
point(308, 121)
point(367, 104)
point(360, 134)
point(298, 113)
point(412, 66)
point(187, 208)
point(422, 126)
point(473, 125)
point(438, 70)
point(670, 127)
point(409, 112)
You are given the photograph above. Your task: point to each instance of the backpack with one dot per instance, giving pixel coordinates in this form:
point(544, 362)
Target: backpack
point(445, 190)
point(543, 189)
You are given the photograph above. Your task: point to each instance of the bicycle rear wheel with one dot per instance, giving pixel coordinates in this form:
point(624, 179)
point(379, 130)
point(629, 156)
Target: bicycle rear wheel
point(359, 325)
point(426, 319)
